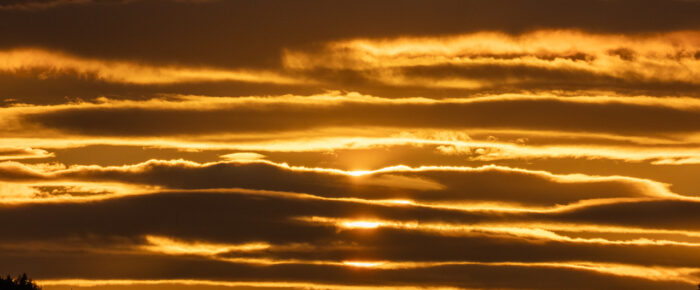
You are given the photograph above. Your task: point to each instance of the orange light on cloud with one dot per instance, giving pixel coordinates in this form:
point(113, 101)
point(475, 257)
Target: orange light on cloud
point(201, 144)
point(176, 247)
point(128, 72)
point(528, 231)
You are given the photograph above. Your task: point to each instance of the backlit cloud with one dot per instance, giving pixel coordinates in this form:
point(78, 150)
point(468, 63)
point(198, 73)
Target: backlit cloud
point(350, 144)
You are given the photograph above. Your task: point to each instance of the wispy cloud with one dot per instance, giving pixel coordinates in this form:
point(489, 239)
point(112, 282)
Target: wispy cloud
point(52, 63)
point(489, 59)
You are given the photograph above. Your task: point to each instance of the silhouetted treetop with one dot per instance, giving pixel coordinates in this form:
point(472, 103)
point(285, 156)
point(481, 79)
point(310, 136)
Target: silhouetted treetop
point(20, 283)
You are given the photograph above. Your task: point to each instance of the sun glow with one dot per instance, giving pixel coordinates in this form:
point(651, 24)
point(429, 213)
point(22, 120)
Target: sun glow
point(363, 264)
point(359, 172)
point(361, 224)
point(399, 201)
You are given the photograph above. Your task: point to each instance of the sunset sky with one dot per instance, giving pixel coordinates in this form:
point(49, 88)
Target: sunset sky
point(350, 144)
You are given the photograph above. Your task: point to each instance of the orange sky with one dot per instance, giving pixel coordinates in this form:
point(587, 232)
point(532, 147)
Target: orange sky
point(273, 144)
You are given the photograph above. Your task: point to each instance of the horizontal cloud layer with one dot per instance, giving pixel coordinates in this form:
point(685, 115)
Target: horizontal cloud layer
point(350, 144)
point(559, 58)
point(490, 184)
point(290, 242)
point(54, 63)
point(615, 115)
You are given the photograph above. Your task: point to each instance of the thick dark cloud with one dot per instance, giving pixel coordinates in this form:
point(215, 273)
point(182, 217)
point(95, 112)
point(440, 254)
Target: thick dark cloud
point(225, 34)
point(252, 33)
point(534, 114)
point(514, 78)
point(465, 276)
point(60, 88)
point(410, 155)
point(675, 175)
point(667, 214)
point(489, 184)
point(35, 87)
point(201, 215)
point(45, 4)
point(96, 228)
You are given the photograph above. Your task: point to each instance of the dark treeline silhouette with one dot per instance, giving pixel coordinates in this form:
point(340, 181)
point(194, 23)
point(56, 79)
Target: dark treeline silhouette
point(22, 282)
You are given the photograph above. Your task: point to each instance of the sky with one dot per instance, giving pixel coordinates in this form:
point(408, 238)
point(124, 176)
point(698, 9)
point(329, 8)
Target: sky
point(315, 144)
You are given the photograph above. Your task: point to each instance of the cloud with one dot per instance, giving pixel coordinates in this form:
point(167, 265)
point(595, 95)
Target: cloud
point(667, 214)
point(543, 60)
point(634, 129)
point(219, 231)
point(33, 5)
point(539, 60)
point(614, 115)
point(242, 156)
point(487, 184)
point(9, 153)
point(231, 41)
point(41, 4)
point(505, 144)
point(320, 276)
point(54, 63)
